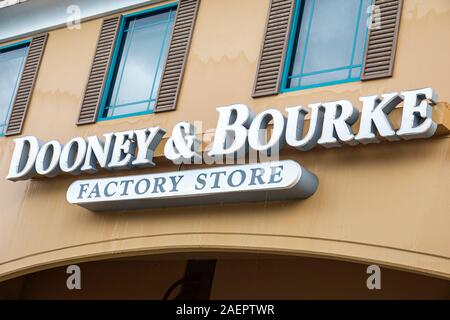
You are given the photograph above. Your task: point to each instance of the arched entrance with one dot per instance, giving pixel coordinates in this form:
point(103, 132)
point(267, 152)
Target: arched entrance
point(214, 275)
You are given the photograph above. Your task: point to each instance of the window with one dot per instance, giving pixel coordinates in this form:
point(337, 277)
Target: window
point(12, 59)
point(137, 64)
point(327, 43)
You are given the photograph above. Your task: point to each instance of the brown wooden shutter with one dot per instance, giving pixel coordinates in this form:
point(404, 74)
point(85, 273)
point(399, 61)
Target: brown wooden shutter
point(99, 70)
point(382, 42)
point(177, 55)
point(270, 67)
point(26, 85)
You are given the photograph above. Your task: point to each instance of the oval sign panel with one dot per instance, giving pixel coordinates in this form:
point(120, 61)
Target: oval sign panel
point(280, 180)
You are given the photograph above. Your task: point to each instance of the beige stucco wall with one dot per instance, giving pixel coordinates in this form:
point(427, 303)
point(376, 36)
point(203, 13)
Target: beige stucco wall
point(385, 203)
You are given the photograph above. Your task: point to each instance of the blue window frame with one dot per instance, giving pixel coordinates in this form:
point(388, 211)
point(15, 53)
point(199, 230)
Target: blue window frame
point(137, 63)
point(12, 60)
point(327, 43)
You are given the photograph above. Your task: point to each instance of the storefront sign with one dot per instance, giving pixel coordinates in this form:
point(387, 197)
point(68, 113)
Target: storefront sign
point(239, 131)
point(244, 183)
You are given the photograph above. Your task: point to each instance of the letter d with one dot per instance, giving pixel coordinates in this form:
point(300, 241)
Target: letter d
point(23, 158)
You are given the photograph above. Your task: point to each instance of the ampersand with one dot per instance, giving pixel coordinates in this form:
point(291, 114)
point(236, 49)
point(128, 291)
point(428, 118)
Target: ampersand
point(182, 146)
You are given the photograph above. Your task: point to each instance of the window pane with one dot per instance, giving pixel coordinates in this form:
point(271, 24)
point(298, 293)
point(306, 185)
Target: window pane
point(331, 34)
point(329, 41)
point(161, 17)
point(123, 110)
point(300, 47)
point(11, 64)
point(324, 77)
point(143, 50)
point(356, 73)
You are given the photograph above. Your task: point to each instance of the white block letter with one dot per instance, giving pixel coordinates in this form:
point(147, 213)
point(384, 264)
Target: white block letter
point(124, 150)
point(257, 132)
point(47, 160)
point(100, 150)
point(295, 124)
point(417, 119)
point(339, 116)
point(231, 131)
point(147, 141)
point(23, 158)
point(374, 118)
point(72, 156)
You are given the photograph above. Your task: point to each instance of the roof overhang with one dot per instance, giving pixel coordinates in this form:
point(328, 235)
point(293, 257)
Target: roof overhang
point(23, 18)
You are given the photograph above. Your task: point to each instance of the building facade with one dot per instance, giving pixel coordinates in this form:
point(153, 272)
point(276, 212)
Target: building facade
point(84, 70)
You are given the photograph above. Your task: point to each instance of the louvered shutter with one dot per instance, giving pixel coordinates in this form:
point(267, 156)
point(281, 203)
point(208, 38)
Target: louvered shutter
point(26, 85)
point(99, 70)
point(177, 54)
point(268, 75)
point(382, 40)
